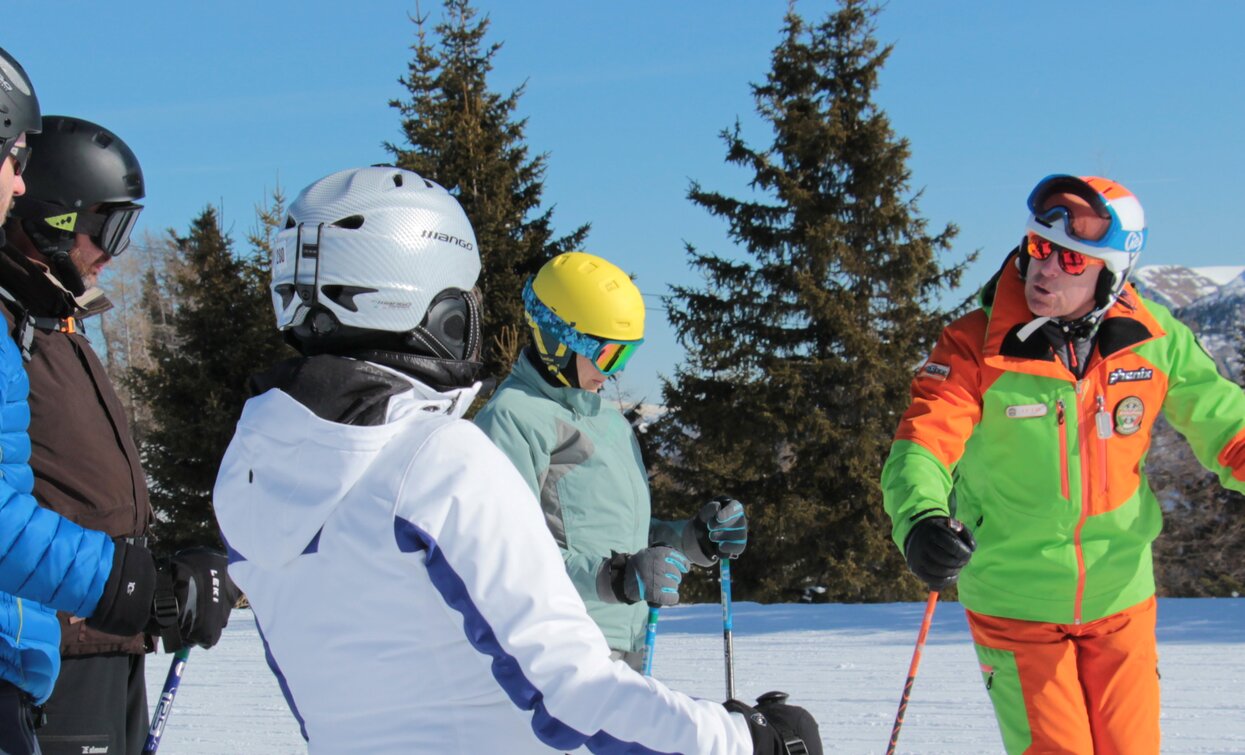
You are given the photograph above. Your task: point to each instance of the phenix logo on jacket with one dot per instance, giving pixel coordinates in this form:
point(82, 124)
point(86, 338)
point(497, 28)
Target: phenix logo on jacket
point(411, 597)
point(1048, 470)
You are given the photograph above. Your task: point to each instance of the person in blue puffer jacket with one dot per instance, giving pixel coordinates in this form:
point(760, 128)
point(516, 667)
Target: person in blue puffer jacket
point(48, 563)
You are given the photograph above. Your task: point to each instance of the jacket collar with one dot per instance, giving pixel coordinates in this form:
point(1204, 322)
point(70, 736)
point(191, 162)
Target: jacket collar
point(33, 284)
point(1127, 324)
point(575, 399)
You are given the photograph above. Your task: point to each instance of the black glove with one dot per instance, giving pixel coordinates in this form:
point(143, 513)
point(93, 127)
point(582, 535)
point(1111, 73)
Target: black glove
point(778, 728)
point(937, 548)
point(205, 595)
point(719, 530)
point(653, 575)
point(184, 600)
point(125, 607)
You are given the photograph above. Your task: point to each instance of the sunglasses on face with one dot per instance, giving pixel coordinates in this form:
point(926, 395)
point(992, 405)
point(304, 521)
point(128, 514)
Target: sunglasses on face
point(1072, 263)
point(20, 154)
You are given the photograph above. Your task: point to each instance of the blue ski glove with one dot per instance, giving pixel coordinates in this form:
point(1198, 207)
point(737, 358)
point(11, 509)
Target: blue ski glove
point(653, 575)
point(719, 530)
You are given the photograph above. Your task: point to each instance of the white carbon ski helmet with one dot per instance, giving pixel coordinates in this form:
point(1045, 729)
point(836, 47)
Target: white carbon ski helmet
point(369, 254)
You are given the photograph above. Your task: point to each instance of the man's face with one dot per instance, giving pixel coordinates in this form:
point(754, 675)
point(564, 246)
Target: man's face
point(1050, 292)
point(11, 184)
point(88, 258)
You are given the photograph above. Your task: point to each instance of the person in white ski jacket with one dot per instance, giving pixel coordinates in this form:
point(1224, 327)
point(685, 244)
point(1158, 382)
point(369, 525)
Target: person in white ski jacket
point(409, 594)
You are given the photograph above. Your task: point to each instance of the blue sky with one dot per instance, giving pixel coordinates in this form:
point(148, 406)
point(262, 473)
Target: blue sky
point(222, 100)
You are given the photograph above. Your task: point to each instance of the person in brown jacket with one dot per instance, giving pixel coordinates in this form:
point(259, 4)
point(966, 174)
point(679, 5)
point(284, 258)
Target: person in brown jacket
point(76, 215)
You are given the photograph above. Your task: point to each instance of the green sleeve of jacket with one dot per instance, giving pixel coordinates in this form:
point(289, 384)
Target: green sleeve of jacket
point(1204, 406)
point(915, 486)
point(933, 432)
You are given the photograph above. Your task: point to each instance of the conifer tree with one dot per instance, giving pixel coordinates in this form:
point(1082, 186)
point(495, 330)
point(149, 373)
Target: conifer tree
point(467, 138)
point(222, 332)
point(800, 350)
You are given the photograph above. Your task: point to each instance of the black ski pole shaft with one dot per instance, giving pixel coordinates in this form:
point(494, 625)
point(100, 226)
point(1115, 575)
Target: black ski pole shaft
point(165, 706)
point(916, 662)
point(728, 622)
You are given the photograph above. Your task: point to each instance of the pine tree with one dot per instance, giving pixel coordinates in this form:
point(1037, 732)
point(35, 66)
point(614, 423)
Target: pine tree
point(799, 353)
point(465, 137)
point(222, 332)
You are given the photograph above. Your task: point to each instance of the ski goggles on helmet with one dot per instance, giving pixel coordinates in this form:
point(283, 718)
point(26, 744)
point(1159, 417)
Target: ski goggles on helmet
point(607, 356)
point(109, 228)
point(1071, 261)
point(1124, 227)
point(20, 154)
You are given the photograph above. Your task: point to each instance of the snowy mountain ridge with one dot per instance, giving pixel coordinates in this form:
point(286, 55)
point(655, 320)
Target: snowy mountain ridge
point(1210, 300)
point(1176, 286)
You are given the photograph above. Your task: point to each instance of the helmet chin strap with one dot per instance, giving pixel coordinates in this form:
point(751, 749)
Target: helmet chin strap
point(67, 273)
point(56, 246)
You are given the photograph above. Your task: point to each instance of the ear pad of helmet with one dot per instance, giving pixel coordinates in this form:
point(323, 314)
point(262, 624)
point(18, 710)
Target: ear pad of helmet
point(451, 327)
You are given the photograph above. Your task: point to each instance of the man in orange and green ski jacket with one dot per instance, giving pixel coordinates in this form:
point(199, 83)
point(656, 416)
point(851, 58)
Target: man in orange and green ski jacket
point(1021, 462)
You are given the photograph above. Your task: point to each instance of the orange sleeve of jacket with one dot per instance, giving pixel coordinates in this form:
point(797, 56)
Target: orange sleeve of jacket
point(946, 392)
point(945, 409)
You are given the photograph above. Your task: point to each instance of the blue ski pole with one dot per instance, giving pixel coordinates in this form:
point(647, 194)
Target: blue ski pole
point(650, 639)
point(728, 625)
point(165, 706)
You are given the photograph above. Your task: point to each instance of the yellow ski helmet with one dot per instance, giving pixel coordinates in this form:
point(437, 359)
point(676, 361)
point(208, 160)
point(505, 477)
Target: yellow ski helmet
point(579, 303)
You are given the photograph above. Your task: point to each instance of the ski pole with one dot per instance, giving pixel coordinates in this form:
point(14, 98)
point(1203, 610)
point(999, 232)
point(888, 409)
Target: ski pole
point(728, 621)
point(650, 639)
point(916, 661)
point(165, 706)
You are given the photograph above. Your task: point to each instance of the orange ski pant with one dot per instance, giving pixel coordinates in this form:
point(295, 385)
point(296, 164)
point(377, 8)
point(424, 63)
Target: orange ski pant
point(1064, 688)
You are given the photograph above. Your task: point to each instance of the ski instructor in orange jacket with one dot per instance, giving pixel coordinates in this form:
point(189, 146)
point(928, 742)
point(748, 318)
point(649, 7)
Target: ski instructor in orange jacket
point(1021, 462)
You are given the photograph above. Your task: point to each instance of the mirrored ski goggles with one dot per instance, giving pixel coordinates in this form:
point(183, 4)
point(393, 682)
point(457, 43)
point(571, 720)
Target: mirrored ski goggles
point(19, 152)
point(1060, 184)
point(613, 355)
point(110, 228)
point(1071, 262)
point(1112, 235)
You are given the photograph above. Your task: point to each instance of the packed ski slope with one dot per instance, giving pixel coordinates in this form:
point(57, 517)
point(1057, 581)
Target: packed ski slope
point(846, 663)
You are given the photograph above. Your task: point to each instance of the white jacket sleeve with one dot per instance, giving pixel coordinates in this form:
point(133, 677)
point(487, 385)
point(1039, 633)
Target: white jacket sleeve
point(492, 559)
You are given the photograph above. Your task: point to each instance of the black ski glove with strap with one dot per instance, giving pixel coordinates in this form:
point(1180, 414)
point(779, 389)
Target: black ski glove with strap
point(778, 728)
point(937, 549)
point(184, 600)
point(205, 595)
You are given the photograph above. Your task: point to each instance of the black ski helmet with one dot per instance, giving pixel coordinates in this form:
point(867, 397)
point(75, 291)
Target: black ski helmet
point(82, 178)
point(19, 107)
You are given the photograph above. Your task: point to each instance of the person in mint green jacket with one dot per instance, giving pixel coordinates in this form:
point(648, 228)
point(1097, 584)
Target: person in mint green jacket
point(1019, 469)
point(581, 458)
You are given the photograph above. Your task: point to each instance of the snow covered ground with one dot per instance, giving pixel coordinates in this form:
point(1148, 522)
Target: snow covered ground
point(845, 663)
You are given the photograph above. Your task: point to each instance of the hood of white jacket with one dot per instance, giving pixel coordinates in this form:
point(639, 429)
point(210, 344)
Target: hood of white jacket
point(286, 469)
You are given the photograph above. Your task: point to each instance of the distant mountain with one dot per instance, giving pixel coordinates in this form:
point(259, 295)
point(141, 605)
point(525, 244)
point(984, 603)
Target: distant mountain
point(1210, 300)
point(1176, 286)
